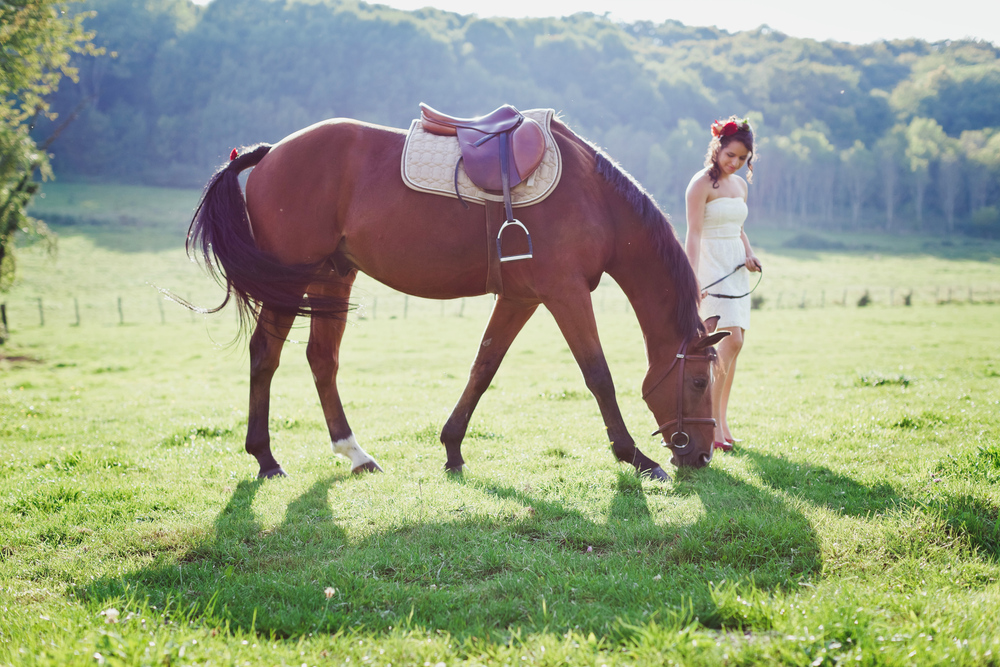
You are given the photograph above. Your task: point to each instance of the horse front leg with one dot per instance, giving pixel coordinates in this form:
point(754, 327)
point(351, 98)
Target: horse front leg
point(506, 320)
point(265, 354)
point(575, 317)
point(323, 353)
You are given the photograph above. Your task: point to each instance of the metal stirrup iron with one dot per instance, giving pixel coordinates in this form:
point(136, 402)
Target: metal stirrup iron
point(511, 220)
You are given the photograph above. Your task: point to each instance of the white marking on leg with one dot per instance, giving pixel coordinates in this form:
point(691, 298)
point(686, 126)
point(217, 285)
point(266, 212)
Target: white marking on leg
point(349, 447)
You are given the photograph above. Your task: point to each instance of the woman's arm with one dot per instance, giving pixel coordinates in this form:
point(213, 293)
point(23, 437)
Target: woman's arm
point(752, 263)
point(695, 199)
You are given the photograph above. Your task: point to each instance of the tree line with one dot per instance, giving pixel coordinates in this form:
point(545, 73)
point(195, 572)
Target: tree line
point(895, 136)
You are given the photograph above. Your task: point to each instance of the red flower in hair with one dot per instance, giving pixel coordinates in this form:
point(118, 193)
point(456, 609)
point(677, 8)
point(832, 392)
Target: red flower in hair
point(726, 128)
point(233, 155)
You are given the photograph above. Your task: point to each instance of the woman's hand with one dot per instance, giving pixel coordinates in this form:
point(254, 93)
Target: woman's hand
point(753, 264)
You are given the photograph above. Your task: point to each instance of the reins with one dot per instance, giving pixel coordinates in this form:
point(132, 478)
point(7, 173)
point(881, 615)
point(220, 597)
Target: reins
point(728, 296)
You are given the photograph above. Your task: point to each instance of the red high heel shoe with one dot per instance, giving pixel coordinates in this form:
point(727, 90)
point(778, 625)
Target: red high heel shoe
point(724, 446)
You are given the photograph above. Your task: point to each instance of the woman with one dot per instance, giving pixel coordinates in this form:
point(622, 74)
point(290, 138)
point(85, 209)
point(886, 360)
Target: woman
point(716, 244)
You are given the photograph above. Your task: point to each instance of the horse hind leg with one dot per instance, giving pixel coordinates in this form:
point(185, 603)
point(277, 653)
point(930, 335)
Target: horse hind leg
point(506, 320)
point(265, 354)
point(323, 353)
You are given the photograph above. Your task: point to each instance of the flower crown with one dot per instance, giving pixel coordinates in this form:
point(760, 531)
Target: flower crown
point(721, 128)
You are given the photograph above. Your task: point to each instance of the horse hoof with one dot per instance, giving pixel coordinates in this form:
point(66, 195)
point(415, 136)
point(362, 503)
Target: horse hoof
point(457, 471)
point(273, 472)
point(657, 473)
point(371, 466)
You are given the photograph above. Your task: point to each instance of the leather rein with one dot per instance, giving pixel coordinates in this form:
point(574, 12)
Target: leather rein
point(679, 439)
point(728, 296)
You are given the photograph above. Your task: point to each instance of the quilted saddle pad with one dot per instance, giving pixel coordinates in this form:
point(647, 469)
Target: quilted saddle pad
point(428, 165)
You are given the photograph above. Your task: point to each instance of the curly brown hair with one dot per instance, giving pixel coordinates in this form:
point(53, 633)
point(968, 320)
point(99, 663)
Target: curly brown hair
point(722, 136)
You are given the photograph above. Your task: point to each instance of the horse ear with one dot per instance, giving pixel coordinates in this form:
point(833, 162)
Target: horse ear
point(711, 323)
point(711, 339)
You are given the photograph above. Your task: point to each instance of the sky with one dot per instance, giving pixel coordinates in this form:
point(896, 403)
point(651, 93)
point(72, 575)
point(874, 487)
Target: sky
point(855, 21)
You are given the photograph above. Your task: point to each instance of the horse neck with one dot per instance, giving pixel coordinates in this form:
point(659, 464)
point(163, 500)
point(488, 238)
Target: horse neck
point(649, 284)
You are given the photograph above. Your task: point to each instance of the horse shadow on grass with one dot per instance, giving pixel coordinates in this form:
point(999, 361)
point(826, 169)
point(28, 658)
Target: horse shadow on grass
point(537, 565)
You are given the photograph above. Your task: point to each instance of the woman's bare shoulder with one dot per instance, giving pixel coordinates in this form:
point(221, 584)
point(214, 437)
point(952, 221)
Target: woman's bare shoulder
point(745, 189)
point(700, 182)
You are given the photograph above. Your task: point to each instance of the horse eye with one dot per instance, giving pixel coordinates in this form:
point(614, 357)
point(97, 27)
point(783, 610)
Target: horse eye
point(701, 384)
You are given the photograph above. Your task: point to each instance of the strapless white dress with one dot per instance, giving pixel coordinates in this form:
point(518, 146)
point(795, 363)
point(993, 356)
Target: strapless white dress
point(721, 252)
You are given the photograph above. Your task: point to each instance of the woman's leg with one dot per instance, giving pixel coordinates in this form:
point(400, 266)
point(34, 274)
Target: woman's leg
point(726, 433)
point(728, 349)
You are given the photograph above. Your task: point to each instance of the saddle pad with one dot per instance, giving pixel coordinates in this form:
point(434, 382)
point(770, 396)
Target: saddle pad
point(428, 165)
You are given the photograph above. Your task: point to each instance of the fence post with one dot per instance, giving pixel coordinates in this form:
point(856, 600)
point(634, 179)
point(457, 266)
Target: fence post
point(406, 304)
point(121, 314)
point(461, 309)
point(163, 315)
point(41, 313)
point(3, 322)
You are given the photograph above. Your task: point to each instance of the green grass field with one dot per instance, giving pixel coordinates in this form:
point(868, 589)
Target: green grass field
point(857, 522)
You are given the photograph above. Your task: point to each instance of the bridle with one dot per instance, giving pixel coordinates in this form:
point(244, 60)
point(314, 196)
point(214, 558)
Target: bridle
point(679, 439)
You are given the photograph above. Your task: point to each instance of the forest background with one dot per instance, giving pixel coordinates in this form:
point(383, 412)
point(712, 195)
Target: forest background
point(897, 136)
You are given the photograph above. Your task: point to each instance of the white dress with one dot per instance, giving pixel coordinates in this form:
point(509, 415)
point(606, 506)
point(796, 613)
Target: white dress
point(722, 251)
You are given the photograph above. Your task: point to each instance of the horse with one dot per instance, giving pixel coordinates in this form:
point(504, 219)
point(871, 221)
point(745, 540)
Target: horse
point(327, 202)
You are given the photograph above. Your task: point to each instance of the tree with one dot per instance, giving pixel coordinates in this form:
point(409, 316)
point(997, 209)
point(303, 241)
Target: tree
point(925, 141)
point(889, 151)
point(950, 174)
point(819, 160)
point(981, 149)
point(859, 167)
point(38, 38)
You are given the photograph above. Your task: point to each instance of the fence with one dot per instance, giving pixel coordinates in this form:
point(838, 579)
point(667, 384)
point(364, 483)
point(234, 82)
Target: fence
point(890, 297)
point(146, 308)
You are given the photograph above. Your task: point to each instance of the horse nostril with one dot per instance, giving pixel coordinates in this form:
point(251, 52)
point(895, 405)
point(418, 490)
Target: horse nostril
point(706, 458)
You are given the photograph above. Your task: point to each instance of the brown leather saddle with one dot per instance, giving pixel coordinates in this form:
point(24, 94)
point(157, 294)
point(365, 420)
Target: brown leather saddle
point(499, 151)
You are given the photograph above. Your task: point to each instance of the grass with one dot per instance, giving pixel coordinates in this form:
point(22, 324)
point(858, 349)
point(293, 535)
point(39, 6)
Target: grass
point(856, 522)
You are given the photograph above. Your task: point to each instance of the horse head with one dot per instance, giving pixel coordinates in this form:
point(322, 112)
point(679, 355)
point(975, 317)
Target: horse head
point(679, 394)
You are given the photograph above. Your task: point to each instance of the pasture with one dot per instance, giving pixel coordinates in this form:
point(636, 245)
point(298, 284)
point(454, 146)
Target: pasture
point(856, 523)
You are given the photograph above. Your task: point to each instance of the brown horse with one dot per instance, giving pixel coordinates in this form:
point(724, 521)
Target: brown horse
point(328, 201)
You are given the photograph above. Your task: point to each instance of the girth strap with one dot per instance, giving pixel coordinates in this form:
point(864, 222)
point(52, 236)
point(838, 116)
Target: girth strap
point(494, 277)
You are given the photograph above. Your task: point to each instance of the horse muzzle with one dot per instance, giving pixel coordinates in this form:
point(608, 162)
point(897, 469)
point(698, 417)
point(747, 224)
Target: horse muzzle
point(686, 451)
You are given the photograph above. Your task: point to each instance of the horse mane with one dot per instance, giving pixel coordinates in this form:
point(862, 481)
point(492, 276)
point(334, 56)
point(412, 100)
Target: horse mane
point(664, 238)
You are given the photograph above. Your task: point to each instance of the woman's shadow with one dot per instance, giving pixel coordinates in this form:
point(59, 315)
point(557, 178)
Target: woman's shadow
point(975, 519)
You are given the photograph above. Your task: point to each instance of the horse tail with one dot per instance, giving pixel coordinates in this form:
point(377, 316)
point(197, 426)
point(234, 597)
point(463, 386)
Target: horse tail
point(220, 233)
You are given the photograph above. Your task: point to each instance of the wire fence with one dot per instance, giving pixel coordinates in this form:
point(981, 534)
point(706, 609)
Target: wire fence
point(21, 312)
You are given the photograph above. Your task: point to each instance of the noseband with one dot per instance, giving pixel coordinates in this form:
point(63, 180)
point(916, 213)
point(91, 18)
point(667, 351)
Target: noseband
point(679, 439)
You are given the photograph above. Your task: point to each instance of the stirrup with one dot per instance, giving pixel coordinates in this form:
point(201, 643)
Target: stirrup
point(511, 258)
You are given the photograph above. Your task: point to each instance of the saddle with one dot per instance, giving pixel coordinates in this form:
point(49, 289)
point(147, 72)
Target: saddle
point(499, 151)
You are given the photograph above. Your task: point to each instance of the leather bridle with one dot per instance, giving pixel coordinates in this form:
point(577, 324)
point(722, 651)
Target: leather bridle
point(679, 439)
